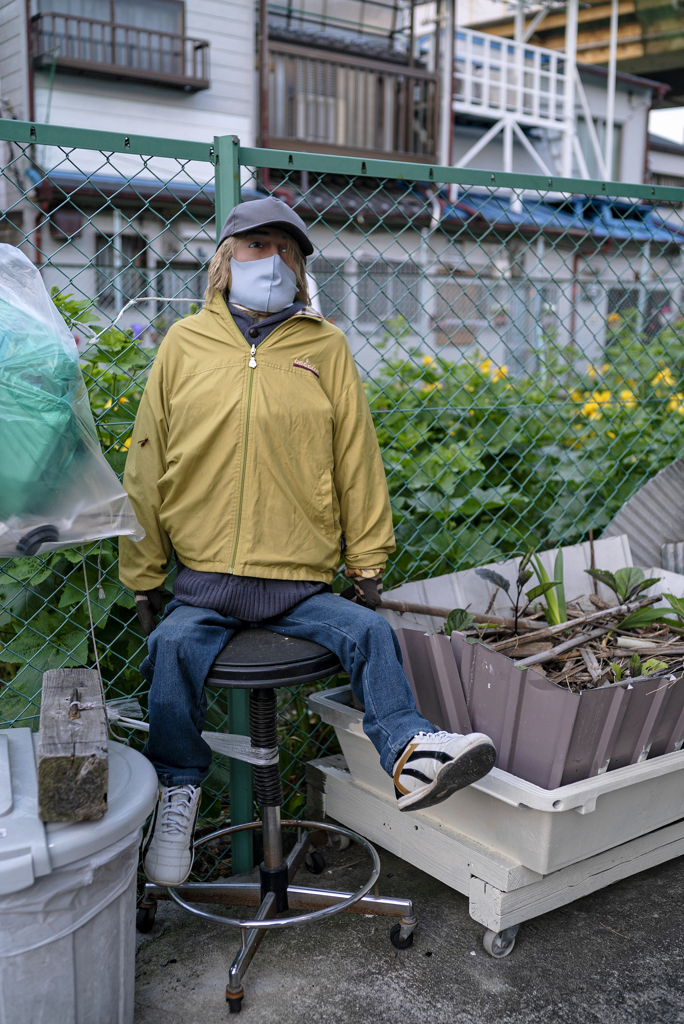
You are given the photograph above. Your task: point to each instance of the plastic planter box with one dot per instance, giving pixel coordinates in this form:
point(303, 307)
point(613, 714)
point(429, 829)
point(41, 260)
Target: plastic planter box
point(542, 829)
point(543, 732)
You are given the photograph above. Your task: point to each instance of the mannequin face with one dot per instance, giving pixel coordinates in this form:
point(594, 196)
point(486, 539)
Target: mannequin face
point(262, 243)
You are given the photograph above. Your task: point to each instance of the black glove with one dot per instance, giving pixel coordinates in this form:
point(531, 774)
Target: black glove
point(148, 604)
point(367, 592)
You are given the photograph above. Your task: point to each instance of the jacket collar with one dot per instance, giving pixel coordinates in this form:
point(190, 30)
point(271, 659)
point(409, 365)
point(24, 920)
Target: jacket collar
point(219, 307)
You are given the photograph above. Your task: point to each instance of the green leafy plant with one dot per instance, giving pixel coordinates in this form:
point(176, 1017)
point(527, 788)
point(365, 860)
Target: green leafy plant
point(552, 590)
point(626, 583)
point(457, 620)
point(653, 665)
point(617, 670)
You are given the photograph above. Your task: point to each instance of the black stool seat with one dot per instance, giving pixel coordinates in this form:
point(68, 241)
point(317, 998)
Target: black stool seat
point(261, 659)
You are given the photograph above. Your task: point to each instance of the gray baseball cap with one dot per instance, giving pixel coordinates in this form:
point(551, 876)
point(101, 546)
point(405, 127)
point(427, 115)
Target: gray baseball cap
point(261, 213)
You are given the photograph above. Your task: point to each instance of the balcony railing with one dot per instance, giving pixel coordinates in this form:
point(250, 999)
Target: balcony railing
point(350, 105)
point(497, 76)
point(101, 48)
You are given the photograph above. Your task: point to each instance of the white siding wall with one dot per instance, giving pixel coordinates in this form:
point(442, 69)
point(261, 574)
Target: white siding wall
point(13, 77)
point(226, 108)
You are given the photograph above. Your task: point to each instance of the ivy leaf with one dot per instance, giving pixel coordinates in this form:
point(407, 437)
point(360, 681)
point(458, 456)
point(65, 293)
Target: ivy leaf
point(628, 581)
point(652, 666)
point(605, 577)
point(493, 577)
point(646, 617)
point(542, 588)
point(457, 620)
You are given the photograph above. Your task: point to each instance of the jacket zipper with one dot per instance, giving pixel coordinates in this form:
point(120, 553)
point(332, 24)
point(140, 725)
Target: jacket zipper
point(243, 469)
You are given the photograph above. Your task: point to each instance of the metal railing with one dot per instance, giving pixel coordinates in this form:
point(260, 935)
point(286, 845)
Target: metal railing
point(497, 76)
point(521, 342)
point(345, 104)
point(89, 46)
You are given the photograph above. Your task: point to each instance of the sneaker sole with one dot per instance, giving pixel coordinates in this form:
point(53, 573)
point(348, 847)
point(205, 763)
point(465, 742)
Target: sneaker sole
point(474, 764)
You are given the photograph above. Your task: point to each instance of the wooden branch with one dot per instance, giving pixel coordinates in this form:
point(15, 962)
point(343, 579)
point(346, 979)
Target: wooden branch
point(442, 613)
point(72, 747)
point(541, 634)
point(577, 641)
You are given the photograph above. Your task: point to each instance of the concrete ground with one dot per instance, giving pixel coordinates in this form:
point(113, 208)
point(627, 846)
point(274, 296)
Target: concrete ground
point(615, 957)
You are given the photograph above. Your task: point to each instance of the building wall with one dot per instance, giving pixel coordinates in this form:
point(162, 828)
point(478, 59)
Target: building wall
point(13, 78)
point(226, 108)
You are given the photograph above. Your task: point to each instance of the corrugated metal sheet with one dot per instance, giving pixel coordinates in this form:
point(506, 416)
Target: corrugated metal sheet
point(654, 516)
point(543, 732)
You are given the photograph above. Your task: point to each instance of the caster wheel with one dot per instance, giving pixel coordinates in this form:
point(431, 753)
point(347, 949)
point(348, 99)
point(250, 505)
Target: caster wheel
point(144, 918)
point(396, 940)
point(234, 1003)
point(340, 842)
point(315, 862)
point(499, 944)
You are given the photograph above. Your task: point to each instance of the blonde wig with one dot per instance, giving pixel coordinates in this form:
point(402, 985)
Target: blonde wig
point(219, 276)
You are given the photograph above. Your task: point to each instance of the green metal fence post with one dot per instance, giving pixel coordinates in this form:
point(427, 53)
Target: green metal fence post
point(227, 180)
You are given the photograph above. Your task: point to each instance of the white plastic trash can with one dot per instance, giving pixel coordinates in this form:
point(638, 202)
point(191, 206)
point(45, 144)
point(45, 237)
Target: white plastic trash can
point(67, 894)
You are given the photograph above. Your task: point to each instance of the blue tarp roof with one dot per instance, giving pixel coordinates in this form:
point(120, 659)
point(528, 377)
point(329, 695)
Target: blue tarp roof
point(598, 217)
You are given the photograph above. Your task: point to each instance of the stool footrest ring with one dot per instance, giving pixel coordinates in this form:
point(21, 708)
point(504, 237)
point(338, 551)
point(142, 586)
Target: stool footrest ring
point(284, 922)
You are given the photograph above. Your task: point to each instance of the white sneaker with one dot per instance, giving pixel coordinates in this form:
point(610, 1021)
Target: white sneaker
point(167, 850)
point(435, 765)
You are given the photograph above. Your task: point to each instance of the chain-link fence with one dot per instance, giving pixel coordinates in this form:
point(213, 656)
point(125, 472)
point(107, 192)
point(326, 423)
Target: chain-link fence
point(521, 339)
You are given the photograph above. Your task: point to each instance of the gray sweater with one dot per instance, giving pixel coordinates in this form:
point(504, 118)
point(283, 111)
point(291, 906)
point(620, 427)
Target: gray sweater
point(248, 598)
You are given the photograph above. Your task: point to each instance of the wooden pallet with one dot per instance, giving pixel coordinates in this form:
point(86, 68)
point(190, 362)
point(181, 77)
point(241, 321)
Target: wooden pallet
point(502, 893)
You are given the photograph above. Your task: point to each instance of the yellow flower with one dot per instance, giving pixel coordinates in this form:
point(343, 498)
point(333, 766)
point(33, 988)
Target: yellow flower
point(576, 396)
point(605, 368)
point(485, 366)
point(676, 404)
point(108, 403)
point(501, 373)
point(426, 388)
point(428, 360)
point(592, 410)
point(628, 398)
point(601, 397)
point(663, 377)
point(127, 443)
point(471, 412)
point(611, 434)
point(591, 371)
point(614, 318)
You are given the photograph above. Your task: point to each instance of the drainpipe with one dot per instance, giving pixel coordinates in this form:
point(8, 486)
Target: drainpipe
point(29, 65)
point(264, 75)
point(570, 72)
point(610, 108)
point(574, 293)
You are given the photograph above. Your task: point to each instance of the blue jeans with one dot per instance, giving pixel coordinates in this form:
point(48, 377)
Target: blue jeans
point(188, 639)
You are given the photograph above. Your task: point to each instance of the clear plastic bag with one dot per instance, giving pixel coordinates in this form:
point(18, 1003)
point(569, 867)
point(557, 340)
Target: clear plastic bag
point(56, 487)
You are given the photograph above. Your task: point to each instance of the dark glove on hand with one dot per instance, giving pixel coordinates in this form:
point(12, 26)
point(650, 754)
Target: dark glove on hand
point(148, 604)
point(367, 592)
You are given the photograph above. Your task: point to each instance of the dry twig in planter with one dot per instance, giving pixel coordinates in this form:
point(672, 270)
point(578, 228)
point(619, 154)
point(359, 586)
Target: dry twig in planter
point(568, 645)
point(442, 613)
point(541, 634)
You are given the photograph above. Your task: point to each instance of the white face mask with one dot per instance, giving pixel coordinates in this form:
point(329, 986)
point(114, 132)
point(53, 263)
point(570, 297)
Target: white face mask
point(267, 285)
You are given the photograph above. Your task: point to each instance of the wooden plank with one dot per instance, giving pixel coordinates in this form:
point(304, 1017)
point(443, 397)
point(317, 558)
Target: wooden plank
point(436, 849)
point(72, 747)
point(497, 910)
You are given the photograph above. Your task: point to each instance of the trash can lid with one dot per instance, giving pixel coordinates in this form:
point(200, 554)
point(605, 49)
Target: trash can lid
point(28, 847)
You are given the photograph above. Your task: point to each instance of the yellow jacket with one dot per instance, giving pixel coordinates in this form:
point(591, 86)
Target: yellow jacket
point(255, 462)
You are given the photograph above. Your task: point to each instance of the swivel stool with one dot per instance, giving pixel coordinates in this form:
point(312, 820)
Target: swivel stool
point(261, 660)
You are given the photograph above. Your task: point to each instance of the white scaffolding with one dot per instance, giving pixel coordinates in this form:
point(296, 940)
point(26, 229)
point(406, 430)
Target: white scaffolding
point(519, 86)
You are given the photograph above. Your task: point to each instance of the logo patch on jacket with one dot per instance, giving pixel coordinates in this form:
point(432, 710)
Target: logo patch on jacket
point(305, 364)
